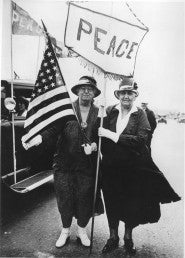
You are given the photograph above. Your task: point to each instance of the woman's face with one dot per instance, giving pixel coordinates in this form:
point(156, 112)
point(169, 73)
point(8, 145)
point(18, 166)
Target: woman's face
point(86, 93)
point(126, 98)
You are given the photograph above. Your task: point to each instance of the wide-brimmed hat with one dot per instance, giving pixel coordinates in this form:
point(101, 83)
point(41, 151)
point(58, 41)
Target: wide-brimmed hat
point(127, 84)
point(86, 81)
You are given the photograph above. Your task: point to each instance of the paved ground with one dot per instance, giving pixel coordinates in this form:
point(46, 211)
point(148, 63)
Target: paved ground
point(32, 223)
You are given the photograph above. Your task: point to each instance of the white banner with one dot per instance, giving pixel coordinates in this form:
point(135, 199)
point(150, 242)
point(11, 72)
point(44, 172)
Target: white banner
point(108, 42)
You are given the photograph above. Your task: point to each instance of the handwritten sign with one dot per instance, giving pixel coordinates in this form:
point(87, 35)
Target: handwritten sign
point(108, 42)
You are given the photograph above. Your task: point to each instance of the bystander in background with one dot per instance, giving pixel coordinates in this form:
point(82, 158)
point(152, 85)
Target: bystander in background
point(152, 121)
point(22, 106)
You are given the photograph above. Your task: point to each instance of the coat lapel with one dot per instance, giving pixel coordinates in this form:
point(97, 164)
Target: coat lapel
point(113, 120)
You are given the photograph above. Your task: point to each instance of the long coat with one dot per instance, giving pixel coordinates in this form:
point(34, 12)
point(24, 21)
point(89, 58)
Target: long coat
point(133, 186)
point(74, 171)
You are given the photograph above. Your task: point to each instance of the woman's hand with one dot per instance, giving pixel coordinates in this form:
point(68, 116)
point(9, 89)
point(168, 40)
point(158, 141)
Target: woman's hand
point(94, 146)
point(89, 148)
point(102, 132)
point(33, 142)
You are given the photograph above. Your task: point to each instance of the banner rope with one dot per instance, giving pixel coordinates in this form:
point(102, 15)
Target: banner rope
point(136, 16)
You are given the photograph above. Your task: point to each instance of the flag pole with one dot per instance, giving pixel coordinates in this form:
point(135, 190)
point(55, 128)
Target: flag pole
point(12, 113)
point(102, 108)
point(37, 62)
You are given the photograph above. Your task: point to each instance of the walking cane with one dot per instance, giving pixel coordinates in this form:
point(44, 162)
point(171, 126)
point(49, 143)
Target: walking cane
point(97, 167)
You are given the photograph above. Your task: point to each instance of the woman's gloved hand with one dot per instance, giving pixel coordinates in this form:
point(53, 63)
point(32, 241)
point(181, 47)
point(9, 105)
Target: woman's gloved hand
point(33, 142)
point(102, 132)
point(94, 146)
point(89, 148)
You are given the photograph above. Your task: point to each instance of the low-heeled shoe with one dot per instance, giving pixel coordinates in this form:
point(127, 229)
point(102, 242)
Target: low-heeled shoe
point(112, 243)
point(83, 240)
point(62, 240)
point(129, 246)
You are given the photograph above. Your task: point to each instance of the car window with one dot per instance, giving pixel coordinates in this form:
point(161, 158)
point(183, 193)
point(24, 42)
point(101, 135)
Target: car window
point(21, 106)
point(22, 93)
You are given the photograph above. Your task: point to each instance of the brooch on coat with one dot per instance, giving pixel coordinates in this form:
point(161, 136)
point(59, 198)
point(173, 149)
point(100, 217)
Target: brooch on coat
point(83, 125)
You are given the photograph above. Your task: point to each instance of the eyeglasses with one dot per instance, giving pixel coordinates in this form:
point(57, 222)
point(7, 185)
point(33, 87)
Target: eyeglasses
point(84, 88)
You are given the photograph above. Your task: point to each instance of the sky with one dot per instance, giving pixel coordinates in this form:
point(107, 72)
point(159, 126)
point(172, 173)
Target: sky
point(159, 70)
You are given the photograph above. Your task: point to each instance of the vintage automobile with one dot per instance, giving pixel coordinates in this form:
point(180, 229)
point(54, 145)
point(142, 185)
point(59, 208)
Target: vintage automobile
point(21, 170)
point(181, 118)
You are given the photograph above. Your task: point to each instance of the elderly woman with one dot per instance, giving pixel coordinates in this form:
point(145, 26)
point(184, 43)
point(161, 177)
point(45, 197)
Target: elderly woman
point(133, 187)
point(75, 162)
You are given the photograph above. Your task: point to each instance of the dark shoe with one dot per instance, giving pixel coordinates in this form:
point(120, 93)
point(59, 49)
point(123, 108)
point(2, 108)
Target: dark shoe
point(110, 245)
point(129, 246)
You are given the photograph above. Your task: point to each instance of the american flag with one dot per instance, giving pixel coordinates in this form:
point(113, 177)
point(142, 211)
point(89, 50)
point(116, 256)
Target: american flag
point(50, 99)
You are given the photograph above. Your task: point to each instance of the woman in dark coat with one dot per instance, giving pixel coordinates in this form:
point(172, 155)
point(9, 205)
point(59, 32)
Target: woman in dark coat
point(133, 187)
point(75, 162)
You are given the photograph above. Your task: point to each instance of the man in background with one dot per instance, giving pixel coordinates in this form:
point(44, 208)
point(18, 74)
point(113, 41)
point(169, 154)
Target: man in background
point(152, 120)
point(22, 106)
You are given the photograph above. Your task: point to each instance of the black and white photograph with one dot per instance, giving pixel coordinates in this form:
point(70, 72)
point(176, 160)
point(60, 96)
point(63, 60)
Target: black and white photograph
point(92, 128)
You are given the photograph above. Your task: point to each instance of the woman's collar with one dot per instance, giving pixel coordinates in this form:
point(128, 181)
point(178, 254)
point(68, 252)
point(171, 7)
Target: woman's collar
point(133, 109)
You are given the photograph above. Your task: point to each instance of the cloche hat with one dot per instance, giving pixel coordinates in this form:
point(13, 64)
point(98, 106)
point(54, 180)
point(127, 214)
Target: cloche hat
point(127, 84)
point(86, 81)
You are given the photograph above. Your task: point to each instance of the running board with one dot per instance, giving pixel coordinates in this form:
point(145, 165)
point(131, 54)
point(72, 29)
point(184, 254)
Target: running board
point(27, 169)
point(33, 182)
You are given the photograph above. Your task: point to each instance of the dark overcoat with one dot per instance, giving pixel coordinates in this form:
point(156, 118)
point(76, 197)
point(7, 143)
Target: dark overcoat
point(74, 171)
point(133, 186)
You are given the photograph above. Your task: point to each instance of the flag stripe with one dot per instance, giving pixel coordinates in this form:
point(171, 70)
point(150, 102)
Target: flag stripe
point(44, 109)
point(47, 102)
point(39, 127)
point(47, 95)
point(47, 115)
